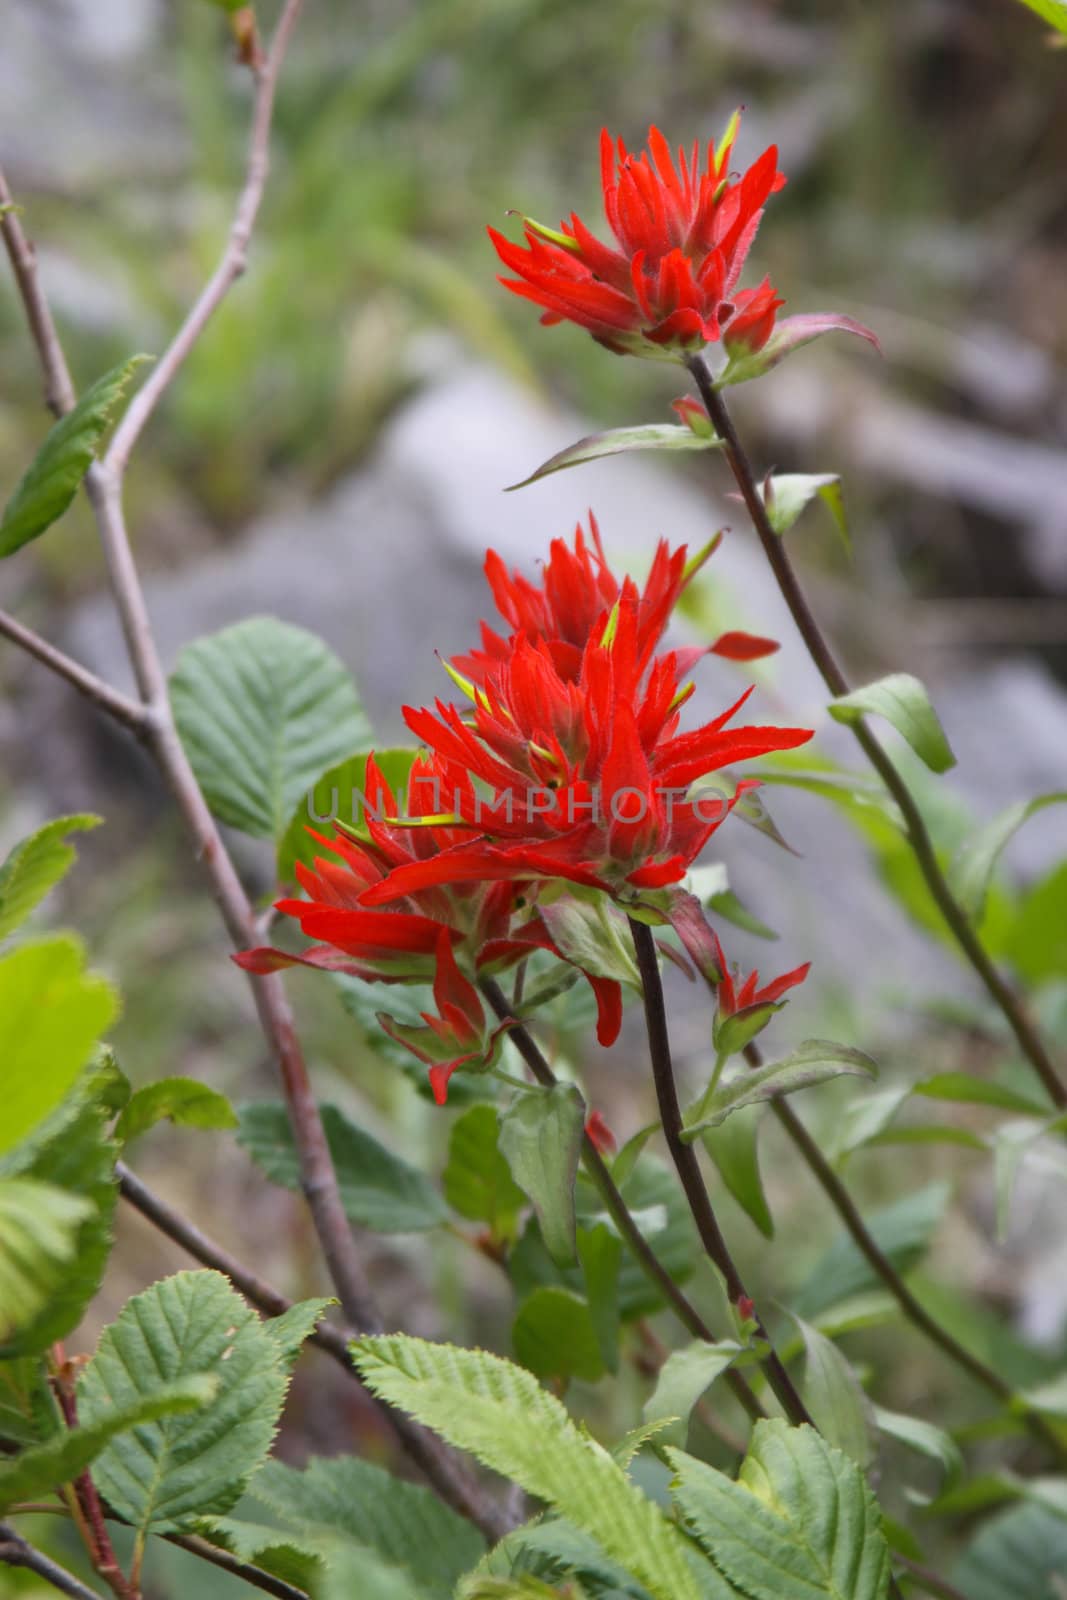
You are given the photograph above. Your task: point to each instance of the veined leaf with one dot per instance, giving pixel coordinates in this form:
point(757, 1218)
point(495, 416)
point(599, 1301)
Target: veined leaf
point(903, 701)
point(264, 709)
point(683, 1378)
point(972, 866)
point(378, 1190)
point(553, 1336)
point(928, 1440)
point(52, 478)
point(39, 1228)
point(541, 1141)
point(183, 1101)
point(477, 1180)
point(787, 493)
point(66, 1455)
point(293, 1327)
point(619, 441)
point(340, 793)
point(503, 1416)
point(799, 1524)
point(734, 1149)
point(351, 1500)
point(813, 1062)
point(285, 1555)
point(52, 1012)
point(834, 1398)
point(169, 1474)
point(1020, 1552)
point(35, 866)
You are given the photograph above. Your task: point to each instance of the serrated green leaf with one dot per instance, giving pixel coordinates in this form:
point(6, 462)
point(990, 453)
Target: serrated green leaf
point(1054, 12)
point(620, 441)
point(352, 1500)
point(553, 1336)
point(903, 701)
point(683, 1378)
point(264, 709)
point(36, 865)
point(733, 1147)
point(52, 1012)
point(285, 1555)
point(541, 1141)
point(556, 1552)
point(39, 1229)
point(902, 1232)
point(835, 1400)
point(52, 478)
point(787, 493)
point(171, 1473)
point(378, 1190)
point(1020, 1552)
point(28, 1412)
point(815, 1061)
point(72, 1152)
point(341, 793)
point(928, 1440)
point(477, 1180)
point(799, 1524)
point(183, 1101)
point(66, 1455)
point(502, 1415)
point(289, 1331)
point(971, 870)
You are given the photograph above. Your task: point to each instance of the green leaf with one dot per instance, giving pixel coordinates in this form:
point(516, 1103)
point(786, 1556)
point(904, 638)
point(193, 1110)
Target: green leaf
point(183, 1101)
point(1036, 940)
point(553, 1336)
point(1054, 12)
point(787, 493)
point(902, 1232)
point(39, 1229)
point(400, 1522)
point(170, 1473)
point(1020, 1552)
point(618, 441)
point(799, 1524)
point(35, 866)
point(964, 1089)
point(1049, 1398)
point(683, 1378)
point(378, 1190)
point(66, 1455)
point(341, 793)
point(27, 1406)
point(600, 1254)
point(835, 1400)
point(903, 701)
point(264, 709)
point(351, 1571)
point(928, 1440)
point(541, 1141)
point(477, 1180)
point(554, 1551)
point(52, 478)
point(289, 1331)
point(734, 1149)
point(72, 1152)
point(653, 1195)
point(972, 866)
point(285, 1555)
point(593, 935)
point(815, 1061)
point(52, 1012)
point(733, 1031)
point(724, 903)
point(502, 1415)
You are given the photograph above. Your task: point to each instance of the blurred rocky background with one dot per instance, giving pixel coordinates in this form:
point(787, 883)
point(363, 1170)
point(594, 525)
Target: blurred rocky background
point(336, 449)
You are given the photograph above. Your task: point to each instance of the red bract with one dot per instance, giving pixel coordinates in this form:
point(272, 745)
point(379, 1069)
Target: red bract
point(734, 996)
point(681, 238)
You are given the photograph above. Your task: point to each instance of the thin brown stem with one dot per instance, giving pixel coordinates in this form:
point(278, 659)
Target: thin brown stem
point(442, 1468)
point(58, 385)
point(1026, 1034)
point(16, 1552)
point(100, 694)
point(249, 1573)
point(616, 1206)
point(687, 1166)
point(101, 1550)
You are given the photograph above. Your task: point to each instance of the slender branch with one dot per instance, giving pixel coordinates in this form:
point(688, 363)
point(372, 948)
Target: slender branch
point(239, 1569)
point(100, 694)
point(688, 1167)
point(58, 386)
point(616, 1206)
point(447, 1472)
point(1029, 1040)
point(234, 256)
point(101, 1550)
point(15, 1552)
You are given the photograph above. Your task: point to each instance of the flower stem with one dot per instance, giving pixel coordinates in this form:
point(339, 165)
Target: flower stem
point(616, 1206)
point(687, 1165)
point(1029, 1040)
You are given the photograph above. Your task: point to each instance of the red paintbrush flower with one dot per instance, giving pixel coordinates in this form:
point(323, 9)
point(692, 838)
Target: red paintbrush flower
point(669, 281)
point(747, 1000)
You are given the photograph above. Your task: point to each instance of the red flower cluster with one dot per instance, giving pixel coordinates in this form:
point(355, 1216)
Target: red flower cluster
point(681, 239)
point(566, 774)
